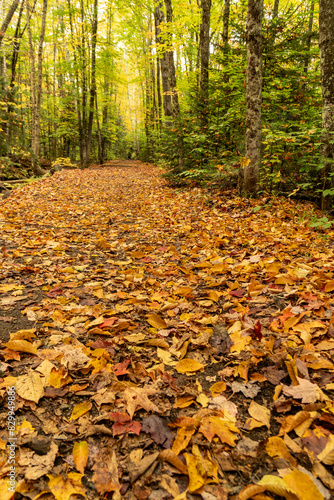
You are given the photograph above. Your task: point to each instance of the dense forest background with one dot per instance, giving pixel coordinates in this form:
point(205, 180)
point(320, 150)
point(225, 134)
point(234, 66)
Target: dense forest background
point(164, 82)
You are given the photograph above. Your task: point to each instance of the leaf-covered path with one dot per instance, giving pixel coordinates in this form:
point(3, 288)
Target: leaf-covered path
point(163, 343)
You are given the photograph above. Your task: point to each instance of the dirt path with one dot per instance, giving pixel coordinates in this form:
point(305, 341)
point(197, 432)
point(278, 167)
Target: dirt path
point(163, 343)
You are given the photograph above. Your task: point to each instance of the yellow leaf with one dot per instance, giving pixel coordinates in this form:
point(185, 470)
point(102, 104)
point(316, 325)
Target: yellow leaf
point(196, 481)
point(260, 413)
point(218, 388)
point(166, 357)
point(5, 493)
point(276, 448)
point(187, 365)
point(183, 291)
point(182, 439)
point(23, 334)
point(303, 485)
point(156, 321)
point(21, 346)
point(224, 429)
point(80, 455)
point(239, 341)
point(329, 287)
point(30, 387)
point(250, 491)
point(203, 400)
point(277, 485)
point(293, 421)
point(80, 409)
point(171, 457)
point(327, 454)
point(213, 295)
point(59, 378)
point(62, 489)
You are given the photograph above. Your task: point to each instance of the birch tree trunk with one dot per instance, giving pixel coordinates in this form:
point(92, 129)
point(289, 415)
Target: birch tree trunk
point(326, 44)
point(249, 186)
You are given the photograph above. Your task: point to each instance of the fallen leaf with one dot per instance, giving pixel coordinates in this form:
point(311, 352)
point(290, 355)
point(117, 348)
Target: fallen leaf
point(30, 387)
point(80, 409)
point(156, 321)
point(188, 366)
point(80, 455)
point(260, 413)
point(62, 488)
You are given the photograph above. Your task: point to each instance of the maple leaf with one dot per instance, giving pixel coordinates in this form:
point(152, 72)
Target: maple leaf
point(137, 397)
point(306, 391)
point(121, 368)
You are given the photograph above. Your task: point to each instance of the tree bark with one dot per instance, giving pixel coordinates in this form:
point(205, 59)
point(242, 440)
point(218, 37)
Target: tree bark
point(173, 87)
point(309, 37)
point(93, 81)
point(163, 60)
point(326, 45)
point(253, 99)
point(225, 36)
point(36, 88)
point(276, 7)
point(8, 19)
point(204, 42)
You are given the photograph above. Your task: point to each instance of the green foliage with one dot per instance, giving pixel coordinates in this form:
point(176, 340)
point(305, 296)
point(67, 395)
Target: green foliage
point(321, 223)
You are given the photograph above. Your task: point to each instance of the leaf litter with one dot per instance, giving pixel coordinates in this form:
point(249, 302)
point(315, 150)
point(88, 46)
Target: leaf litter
point(177, 345)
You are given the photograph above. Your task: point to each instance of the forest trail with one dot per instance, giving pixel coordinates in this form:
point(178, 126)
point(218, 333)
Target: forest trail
point(164, 343)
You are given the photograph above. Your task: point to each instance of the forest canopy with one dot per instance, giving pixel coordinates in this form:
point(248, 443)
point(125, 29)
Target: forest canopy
point(169, 82)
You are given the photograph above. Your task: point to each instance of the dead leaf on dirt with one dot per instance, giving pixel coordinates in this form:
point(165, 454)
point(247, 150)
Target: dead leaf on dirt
point(306, 391)
point(30, 387)
point(21, 346)
point(80, 409)
point(80, 455)
point(156, 321)
point(136, 397)
point(188, 366)
point(63, 488)
point(157, 428)
point(37, 465)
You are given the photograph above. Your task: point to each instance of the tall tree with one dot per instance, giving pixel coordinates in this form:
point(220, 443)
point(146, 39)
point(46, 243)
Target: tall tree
point(225, 35)
point(326, 44)
point(173, 86)
point(163, 61)
point(36, 86)
point(5, 23)
point(93, 81)
point(204, 42)
point(309, 37)
point(249, 186)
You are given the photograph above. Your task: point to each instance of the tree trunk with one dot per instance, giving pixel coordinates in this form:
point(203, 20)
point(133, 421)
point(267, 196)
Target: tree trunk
point(83, 149)
point(8, 19)
point(36, 89)
point(175, 95)
point(163, 59)
point(204, 43)
point(276, 7)
point(309, 37)
point(225, 37)
point(326, 44)
point(253, 99)
point(93, 81)
point(76, 91)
